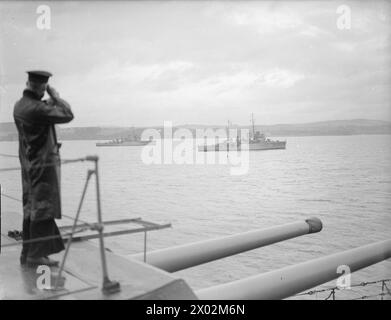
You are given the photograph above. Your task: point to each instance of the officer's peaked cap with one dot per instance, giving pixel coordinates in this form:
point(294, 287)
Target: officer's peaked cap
point(39, 76)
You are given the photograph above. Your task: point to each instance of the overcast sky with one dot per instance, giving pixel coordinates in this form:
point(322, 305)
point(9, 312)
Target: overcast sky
point(133, 63)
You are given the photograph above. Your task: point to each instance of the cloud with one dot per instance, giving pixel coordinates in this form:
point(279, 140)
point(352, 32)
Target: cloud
point(202, 61)
point(280, 78)
point(263, 21)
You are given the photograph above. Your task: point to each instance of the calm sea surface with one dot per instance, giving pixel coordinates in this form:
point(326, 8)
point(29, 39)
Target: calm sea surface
point(343, 180)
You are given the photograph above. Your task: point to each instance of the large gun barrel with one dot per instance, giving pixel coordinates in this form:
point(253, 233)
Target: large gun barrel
point(193, 254)
point(285, 282)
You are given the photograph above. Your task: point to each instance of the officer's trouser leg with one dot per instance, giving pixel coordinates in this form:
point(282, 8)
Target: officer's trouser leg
point(26, 236)
point(41, 229)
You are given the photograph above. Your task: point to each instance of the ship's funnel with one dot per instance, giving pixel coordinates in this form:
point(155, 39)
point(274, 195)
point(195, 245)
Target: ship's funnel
point(193, 254)
point(285, 282)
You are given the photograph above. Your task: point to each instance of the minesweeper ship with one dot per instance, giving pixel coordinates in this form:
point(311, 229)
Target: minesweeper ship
point(131, 140)
point(257, 141)
point(122, 142)
point(91, 271)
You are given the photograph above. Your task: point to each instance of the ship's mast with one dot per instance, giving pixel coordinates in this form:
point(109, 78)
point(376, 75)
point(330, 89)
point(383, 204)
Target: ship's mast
point(252, 121)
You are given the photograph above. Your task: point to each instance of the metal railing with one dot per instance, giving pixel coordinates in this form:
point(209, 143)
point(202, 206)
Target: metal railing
point(108, 285)
point(385, 291)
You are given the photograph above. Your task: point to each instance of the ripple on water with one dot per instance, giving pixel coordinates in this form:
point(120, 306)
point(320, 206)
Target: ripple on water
point(345, 181)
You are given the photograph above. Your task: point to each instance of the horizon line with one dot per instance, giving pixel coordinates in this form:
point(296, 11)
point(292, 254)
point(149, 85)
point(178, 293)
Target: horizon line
point(220, 125)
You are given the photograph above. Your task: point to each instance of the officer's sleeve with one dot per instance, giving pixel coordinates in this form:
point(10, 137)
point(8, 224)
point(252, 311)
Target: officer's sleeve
point(53, 111)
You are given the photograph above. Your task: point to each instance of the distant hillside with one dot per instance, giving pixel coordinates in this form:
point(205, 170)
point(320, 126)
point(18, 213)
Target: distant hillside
point(338, 127)
point(324, 128)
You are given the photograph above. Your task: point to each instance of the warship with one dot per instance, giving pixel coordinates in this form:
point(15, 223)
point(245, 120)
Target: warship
point(122, 142)
point(256, 141)
point(133, 139)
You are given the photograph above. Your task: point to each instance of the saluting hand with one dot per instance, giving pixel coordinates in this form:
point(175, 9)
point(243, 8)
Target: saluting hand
point(52, 92)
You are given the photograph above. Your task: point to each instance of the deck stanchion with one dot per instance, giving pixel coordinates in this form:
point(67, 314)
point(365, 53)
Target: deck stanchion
point(145, 246)
point(69, 241)
point(108, 285)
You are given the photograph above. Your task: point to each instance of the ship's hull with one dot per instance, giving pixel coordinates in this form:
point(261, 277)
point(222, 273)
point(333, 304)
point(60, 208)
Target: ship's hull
point(254, 146)
point(122, 144)
point(268, 145)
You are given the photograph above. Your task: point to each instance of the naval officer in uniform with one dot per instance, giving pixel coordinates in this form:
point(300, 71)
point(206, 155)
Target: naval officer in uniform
point(39, 158)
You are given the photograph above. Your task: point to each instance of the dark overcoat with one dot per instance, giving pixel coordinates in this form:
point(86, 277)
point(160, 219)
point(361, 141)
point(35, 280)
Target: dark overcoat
point(39, 154)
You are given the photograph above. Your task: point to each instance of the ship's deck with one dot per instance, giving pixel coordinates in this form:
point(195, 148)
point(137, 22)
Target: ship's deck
point(83, 275)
